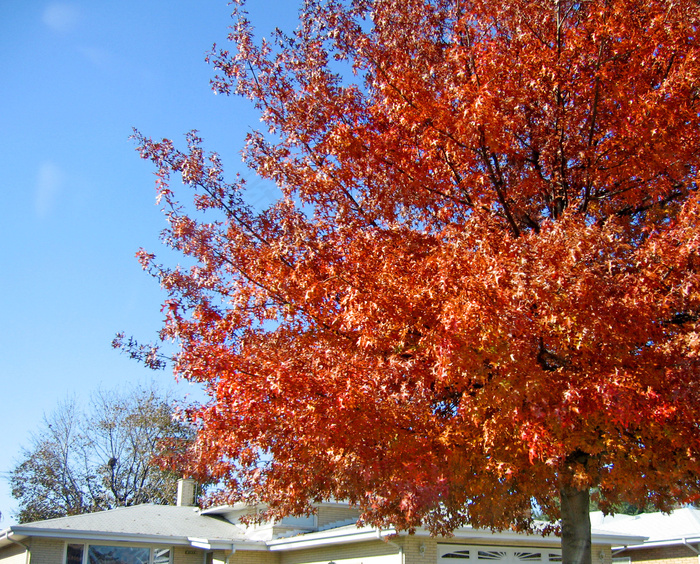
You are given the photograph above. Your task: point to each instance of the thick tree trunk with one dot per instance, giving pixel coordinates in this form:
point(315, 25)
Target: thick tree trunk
point(575, 526)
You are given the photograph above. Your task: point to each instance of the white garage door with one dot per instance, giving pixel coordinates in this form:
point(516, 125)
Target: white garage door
point(472, 554)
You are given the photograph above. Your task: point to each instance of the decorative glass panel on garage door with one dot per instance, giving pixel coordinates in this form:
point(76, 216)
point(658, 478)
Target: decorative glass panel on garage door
point(473, 554)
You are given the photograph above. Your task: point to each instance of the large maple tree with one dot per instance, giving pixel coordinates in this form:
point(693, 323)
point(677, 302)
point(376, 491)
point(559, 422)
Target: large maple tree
point(479, 288)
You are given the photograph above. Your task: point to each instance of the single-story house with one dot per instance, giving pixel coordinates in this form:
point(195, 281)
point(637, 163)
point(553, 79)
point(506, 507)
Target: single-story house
point(184, 534)
point(672, 538)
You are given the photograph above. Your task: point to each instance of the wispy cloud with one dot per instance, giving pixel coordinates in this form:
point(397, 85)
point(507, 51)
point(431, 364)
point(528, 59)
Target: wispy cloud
point(61, 17)
point(50, 180)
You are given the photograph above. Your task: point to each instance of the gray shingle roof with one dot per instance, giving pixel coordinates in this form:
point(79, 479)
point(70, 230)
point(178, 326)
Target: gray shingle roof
point(657, 527)
point(141, 520)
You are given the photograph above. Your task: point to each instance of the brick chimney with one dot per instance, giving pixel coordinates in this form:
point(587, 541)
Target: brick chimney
point(186, 488)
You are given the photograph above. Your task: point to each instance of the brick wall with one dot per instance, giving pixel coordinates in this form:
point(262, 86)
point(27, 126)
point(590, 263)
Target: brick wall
point(187, 555)
point(674, 554)
point(46, 551)
point(419, 550)
point(252, 557)
point(13, 554)
point(601, 554)
point(372, 552)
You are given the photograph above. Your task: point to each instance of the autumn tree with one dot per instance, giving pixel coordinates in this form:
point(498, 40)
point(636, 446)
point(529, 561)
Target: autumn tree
point(479, 287)
point(100, 459)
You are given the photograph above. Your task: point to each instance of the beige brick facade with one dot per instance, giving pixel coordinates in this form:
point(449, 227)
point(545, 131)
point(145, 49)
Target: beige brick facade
point(50, 551)
point(14, 554)
point(372, 552)
point(673, 554)
point(188, 555)
point(46, 551)
point(251, 557)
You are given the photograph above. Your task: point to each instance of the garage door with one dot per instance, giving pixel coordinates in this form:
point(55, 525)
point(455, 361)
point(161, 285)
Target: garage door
point(472, 554)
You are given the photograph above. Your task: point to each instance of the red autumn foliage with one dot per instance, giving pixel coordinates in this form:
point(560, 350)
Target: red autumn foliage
point(480, 286)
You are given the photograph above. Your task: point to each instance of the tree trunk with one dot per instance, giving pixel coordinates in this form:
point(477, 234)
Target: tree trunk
point(575, 526)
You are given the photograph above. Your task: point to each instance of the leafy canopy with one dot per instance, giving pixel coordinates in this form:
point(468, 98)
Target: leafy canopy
point(82, 461)
point(480, 284)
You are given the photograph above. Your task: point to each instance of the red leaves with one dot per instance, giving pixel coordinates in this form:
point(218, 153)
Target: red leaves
point(484, 262)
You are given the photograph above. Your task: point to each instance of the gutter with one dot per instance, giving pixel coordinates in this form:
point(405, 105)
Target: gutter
point(384, 537)
point(657, 544)
point(229, 549)
point(103, 536)
point(8, 534)
point(329, 537)
point(91, 536)
point(691, 547)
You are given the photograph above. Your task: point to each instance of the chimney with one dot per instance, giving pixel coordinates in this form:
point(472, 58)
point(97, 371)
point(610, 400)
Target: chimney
point(186, 492)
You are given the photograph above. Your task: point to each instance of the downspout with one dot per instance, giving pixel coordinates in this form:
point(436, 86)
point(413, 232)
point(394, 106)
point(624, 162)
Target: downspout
point(691, 547)
point(24, 546)
point(230, 554)
point(397, 546)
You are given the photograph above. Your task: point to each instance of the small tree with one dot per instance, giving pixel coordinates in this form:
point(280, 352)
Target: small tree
point(79, 462)
point(480, 286)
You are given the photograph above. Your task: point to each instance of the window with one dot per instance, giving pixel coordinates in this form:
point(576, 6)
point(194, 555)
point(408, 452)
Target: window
point(74, 554)
point(496, 554)
point(116, 554)
point(528, 556)
point(463, 554)
point(492, 555)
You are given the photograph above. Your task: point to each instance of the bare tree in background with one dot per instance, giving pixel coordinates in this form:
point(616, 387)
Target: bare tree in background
point(101, 458)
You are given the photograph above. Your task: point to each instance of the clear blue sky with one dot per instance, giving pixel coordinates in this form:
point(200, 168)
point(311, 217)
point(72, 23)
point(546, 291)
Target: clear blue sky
point(77, 201)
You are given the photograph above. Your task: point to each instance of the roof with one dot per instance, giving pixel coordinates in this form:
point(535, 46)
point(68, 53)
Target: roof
point(178, 525)
point(344, 534)
point(678, 527)
point(144, 523)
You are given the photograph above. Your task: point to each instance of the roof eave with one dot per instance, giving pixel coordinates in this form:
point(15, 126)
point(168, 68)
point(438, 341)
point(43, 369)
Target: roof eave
point(19, 533)
point(329, 537)
point(333, 536)
point(5, 539)
point(661, 543)
point(98, 535)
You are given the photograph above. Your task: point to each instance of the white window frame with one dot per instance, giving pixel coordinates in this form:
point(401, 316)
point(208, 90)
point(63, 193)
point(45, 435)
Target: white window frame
point(86, 549)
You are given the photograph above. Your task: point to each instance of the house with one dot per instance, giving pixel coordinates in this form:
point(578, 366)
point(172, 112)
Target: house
point(672, 538)
point(184, 534)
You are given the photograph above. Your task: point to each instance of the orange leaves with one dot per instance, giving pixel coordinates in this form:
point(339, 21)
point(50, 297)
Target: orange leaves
point(485, 260)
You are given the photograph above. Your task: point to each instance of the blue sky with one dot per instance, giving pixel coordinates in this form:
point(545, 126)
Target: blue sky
point(78, 202)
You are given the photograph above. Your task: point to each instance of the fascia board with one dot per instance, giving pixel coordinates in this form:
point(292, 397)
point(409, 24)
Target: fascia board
point(140, 539)
point(486, 536)
point(617, 539)
point(223, 544)
point(329, 537)
point(99, 536)
point(657, 544)
point(469, 533)
point(597, 537)
point(250, 545)
point(5, 537)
